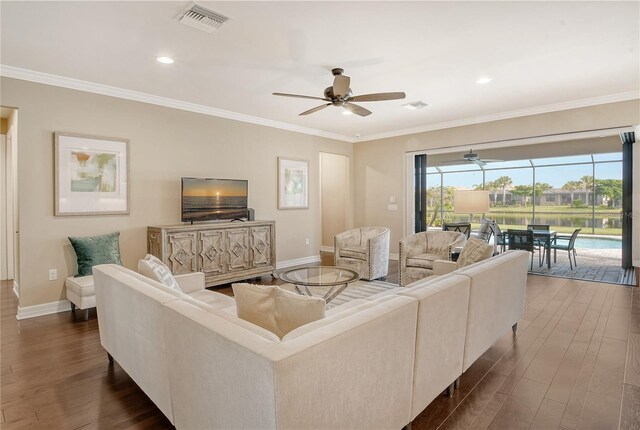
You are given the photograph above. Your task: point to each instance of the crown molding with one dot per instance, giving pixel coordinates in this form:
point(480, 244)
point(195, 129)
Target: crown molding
point(91, 87)
point(106, 90)
point(536, 110)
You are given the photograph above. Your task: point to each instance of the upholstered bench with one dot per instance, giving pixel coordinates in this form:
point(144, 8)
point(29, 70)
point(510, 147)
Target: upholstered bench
point(81, 293)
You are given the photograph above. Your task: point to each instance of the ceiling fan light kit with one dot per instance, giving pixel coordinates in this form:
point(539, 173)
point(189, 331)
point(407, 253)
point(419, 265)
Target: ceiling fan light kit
point(340, 95)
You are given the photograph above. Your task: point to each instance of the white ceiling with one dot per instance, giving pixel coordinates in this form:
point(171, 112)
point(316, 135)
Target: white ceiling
point(538, 53)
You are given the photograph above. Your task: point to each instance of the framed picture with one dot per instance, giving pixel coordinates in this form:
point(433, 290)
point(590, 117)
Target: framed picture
point(293, 184)
point(91, 175)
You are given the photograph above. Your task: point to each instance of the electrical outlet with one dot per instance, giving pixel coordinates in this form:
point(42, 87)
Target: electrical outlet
point(53, 274)
point(306, 241)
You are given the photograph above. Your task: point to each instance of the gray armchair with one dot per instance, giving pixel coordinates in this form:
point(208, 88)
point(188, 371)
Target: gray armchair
point(365, 250)
point(419, 251)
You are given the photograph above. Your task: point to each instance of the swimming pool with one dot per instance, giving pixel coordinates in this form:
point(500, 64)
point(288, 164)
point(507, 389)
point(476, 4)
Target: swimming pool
point(598, 243)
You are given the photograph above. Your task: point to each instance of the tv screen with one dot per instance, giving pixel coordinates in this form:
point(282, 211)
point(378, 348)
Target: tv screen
point(205, 199)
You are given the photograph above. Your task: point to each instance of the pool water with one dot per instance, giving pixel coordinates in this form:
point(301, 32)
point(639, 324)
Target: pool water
point(598, 243)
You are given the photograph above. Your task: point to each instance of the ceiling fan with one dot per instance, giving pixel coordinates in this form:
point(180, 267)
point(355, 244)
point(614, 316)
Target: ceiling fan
point(470, 157)
point(340, 95)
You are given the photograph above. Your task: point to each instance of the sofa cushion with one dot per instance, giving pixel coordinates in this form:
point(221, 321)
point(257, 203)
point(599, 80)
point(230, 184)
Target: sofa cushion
point(91, 251)
point(153, 268)
point(424, 260)
point(330, 319)
point(275, 309)
point(214, 299)
point(354, 251)
point(474, 250)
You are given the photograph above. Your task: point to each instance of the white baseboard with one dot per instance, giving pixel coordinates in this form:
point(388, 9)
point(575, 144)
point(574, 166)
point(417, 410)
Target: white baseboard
point(297, 261)
point(16, 289)
point(43, 309)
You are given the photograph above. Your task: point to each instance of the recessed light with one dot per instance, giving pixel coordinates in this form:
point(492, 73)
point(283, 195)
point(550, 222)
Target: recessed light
point(415, 105)
point(484, 80)
point(347, 112)
point(165, 60)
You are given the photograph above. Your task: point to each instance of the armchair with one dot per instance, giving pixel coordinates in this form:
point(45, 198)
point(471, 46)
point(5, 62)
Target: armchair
point(419, 251)
point(365, 250)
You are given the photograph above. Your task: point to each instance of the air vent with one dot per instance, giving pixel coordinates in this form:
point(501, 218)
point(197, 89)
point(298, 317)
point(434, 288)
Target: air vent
point(201, 18)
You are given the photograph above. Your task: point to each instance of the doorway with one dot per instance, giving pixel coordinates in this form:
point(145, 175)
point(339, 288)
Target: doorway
point(9, 196)
point(335, 201)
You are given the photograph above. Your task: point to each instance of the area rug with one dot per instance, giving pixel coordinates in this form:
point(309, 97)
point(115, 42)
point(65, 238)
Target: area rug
point(357, 290)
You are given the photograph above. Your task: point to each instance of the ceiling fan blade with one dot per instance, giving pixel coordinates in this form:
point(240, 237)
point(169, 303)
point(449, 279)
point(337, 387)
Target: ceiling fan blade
point(451, 162)
point(378, 97)
point(300, 97)
point(479, 162)
point(315, 109)
point(341, 85)
point(358, 110)
point(491, 160)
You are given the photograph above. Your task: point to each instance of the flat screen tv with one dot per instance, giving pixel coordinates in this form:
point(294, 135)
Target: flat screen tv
point(205, 199)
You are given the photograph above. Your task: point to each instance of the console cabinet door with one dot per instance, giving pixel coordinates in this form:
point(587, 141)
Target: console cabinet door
point(181, 249)
point(212, 252)
point(237, 249)
point(260, 246)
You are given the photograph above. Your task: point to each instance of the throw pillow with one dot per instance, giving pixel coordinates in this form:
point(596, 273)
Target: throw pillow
point(275, 309)
point(474, 250)
point(153, 268)
point(91, 251)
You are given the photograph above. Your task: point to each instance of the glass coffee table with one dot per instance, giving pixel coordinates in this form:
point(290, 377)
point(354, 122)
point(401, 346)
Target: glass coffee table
point(333, 279)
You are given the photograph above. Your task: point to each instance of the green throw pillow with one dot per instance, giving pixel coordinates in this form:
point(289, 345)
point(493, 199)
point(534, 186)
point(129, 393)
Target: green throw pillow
point(91, 251)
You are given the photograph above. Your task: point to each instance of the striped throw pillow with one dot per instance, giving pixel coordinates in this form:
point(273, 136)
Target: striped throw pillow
point(160, 272)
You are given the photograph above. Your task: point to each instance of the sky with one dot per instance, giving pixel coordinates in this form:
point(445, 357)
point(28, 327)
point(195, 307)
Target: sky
point(555, 176)
point(213, 187)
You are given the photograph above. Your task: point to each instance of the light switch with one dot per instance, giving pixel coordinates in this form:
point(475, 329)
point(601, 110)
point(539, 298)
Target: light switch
point(392, 207)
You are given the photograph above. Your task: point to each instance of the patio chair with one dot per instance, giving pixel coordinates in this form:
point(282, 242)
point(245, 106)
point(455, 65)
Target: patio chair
point(523, 240)
point(460, 227)
point(568, 246)
point(501, 238)
point(486, 230)
point(540, 243)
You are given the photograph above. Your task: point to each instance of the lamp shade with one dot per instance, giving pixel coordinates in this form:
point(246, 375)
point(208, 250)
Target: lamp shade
point(471, 201)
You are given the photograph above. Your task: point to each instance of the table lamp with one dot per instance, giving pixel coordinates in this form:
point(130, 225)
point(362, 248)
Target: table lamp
point(471, 201)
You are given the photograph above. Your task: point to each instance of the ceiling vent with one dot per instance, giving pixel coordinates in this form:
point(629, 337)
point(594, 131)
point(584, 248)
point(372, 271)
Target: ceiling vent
point(201, 18)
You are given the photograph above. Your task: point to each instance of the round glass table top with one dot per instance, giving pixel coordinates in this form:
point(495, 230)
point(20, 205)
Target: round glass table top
point(319, 276)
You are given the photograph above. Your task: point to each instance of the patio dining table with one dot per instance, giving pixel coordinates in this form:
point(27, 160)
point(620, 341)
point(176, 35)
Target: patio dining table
point(547, 236)
point(544, 235)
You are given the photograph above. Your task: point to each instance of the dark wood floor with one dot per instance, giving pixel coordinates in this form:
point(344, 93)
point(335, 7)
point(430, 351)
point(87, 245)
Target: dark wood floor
point(575, 364)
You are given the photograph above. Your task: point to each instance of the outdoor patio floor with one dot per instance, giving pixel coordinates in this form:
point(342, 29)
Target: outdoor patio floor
point(600, 265)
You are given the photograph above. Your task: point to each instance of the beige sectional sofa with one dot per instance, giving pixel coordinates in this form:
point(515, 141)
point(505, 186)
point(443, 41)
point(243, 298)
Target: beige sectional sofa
point(374, 363)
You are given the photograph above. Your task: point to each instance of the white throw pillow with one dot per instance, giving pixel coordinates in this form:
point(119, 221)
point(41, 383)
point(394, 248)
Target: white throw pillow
point(275, 309)
point(153, 268)
point(474, 250)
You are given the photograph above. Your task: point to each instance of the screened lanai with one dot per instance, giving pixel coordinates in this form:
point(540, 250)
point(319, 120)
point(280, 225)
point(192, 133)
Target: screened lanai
point(563, 192)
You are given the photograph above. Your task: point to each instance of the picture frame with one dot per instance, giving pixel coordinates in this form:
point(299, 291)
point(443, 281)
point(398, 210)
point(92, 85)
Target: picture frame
point(293, 183)
point(91, 175)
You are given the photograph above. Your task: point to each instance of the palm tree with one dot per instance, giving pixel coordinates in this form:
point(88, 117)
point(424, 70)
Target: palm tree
point(502, 183)
point(587, 183)
point(572, 186)
point(492, 187)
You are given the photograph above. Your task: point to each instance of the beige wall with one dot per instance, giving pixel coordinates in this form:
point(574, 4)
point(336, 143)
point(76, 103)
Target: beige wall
point(165, 145)
point(335, 196)
point(380, 169)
